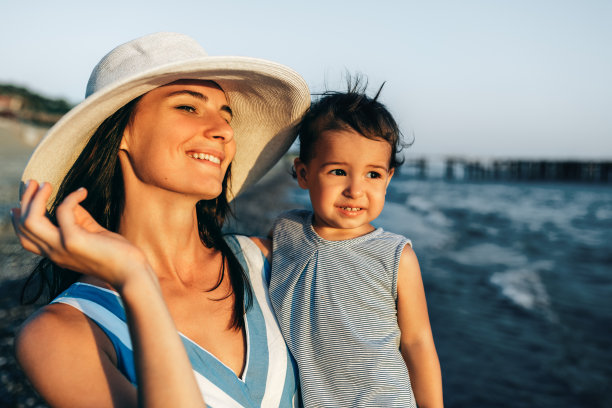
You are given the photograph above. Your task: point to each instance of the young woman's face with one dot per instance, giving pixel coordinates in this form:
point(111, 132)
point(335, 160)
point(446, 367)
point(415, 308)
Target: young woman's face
point(180, 138)
point(347, 179)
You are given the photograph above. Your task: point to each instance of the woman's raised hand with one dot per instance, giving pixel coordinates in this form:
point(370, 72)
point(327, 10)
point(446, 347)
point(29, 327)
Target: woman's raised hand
point(78, 243)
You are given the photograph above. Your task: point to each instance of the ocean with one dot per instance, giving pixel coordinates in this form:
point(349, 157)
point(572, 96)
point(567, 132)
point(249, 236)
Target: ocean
point(518, 278)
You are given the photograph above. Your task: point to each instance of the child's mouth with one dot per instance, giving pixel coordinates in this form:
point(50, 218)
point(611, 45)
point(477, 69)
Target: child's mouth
point(350, 210)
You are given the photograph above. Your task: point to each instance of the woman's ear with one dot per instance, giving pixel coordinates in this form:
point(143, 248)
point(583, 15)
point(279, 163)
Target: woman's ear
point(301, 172)
point(123, 145)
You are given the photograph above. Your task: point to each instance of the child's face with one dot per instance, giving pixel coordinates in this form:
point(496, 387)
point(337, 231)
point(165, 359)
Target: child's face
point(347, 180)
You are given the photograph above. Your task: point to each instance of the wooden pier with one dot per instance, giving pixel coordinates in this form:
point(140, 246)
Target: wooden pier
point(458, 168)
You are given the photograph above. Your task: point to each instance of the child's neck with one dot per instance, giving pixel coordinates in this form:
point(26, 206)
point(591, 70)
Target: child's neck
point(340, 234)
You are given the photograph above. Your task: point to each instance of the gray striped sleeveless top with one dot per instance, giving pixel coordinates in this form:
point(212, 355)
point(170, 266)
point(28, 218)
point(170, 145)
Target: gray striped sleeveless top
point(336, 305)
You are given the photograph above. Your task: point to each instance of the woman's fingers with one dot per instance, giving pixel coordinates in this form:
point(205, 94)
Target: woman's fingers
point(32, 241)
point(78, 242)
point(35, 231)
point(66, 214)
point(36, 203)
point(25, 242)
point(31, 187)
point(33, 221)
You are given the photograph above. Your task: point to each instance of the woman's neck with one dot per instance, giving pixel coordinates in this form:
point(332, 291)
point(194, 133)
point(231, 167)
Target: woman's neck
point(164, 226)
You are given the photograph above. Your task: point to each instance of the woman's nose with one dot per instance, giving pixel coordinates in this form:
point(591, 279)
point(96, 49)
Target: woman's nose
point(219, 128)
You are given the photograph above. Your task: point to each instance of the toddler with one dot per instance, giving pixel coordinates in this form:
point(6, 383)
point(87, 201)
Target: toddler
point(348, 296)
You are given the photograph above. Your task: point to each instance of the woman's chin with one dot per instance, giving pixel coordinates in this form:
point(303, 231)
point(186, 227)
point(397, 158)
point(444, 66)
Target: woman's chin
point(209, 193)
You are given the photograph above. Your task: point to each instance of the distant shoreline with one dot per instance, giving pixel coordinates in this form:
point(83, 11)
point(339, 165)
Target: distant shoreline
point(18, 135)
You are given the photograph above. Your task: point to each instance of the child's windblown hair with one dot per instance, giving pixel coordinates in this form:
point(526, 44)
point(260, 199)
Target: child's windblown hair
point(350, 110)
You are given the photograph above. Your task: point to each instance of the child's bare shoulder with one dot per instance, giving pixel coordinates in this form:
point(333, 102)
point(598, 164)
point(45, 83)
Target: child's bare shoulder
point(409, 264)
point(264, 245)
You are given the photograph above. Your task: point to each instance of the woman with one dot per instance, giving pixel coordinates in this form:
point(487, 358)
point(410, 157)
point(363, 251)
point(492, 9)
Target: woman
point(168, 124)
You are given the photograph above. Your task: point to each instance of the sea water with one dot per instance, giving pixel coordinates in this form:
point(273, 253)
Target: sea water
point(518, 279)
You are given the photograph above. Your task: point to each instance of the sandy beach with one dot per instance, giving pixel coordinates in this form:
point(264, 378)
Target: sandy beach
point(15, 263)
point(254, 211)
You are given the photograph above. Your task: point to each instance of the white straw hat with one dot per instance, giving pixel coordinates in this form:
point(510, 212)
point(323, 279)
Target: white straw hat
point(267, 101)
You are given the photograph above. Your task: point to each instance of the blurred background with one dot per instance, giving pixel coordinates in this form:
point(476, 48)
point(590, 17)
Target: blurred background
point(506, 190)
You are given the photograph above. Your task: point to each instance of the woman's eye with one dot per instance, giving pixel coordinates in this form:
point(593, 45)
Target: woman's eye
point(373, 174)
point(338, 172)
point(186, 108)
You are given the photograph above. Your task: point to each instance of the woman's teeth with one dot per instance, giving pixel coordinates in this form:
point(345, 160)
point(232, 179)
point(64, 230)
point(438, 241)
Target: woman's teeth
point(205, 156)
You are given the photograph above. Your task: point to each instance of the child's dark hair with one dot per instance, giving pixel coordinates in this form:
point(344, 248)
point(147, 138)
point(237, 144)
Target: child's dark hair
point(350, 110)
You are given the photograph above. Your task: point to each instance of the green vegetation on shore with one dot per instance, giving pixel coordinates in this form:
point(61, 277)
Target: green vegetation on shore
point(20, 103)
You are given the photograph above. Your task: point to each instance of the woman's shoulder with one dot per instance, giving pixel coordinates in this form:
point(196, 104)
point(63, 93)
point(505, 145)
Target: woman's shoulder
point(55, 327)
point(55, 319)
point(69, 359)
point(58, 327)
point(54, 336)
point(250, 247)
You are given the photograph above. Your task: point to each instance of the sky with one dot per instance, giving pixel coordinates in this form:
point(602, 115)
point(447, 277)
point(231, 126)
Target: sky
point(479, 78)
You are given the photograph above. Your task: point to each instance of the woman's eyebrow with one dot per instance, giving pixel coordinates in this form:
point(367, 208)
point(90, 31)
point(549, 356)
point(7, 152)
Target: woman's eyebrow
point(224, 108)
point(192, 93)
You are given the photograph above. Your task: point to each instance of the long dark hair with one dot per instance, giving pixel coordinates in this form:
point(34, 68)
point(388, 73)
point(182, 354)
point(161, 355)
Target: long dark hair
point(98, 170)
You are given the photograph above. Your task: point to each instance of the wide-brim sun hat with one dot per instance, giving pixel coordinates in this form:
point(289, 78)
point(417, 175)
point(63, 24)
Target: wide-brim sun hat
point(267, 101)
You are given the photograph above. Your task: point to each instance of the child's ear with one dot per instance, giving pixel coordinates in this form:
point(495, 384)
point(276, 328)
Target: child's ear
point(300, 172)
point(391, 173)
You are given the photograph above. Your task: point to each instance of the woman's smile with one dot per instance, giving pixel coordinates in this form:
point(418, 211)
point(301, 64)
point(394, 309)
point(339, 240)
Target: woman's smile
point(175, 126)
point(215, 158)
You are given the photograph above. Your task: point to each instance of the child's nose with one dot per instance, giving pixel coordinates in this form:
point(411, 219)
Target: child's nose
point(354, 188)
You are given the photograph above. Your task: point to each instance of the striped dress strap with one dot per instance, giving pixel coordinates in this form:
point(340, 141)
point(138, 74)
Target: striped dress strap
point(281, 388)
point(270, 375)
point(105, 308)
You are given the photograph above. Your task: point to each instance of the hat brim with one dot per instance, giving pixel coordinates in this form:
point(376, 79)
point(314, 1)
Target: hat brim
point(267, 101)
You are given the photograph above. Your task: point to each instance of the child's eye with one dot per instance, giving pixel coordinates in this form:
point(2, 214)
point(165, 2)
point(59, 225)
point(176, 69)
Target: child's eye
point(373, 174)
point(338, 172)
point(186, 108)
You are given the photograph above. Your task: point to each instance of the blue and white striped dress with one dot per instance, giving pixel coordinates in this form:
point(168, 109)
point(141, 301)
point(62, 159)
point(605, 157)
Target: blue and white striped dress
point(336, 305)
point(270, 376)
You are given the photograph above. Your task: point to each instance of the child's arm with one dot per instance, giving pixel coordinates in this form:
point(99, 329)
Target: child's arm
point(416, 344)
point(265, 245)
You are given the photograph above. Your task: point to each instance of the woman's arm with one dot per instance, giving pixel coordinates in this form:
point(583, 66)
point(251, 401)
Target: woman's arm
point(416, 344)
point(164, 372)
point(70, 361)
point(165, 376)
